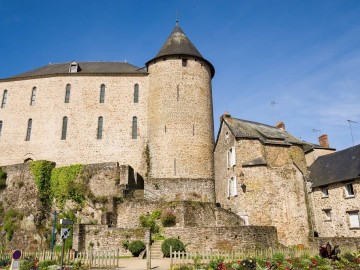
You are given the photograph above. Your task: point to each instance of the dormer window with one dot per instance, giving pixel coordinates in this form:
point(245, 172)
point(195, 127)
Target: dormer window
point(74, 67)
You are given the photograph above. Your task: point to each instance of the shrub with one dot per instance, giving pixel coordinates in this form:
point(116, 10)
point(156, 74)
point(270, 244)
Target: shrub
point(136, 247)
point(4, 263)
point(168, 219)
point(175, 243)
point(149, 221)
point(44, 265)
point(3, 177)
point(11, 223)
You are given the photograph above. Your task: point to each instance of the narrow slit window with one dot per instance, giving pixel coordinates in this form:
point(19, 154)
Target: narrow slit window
point(136, 93)
point(134, 127)
point(4, 99)
point(28, 131)
point(33, 96)
point(165, 129)
point(184, 62)
point(67, 93)
point(100, 128)
point(178, 93)
point(1, 124)
point(102, 93)
point(193, 130)
point(64, 128)
point(174, 166)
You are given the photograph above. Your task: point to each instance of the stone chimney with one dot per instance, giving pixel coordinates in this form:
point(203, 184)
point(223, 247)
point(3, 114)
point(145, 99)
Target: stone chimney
point(225, 115)
point(324, 141)
point(280, 125)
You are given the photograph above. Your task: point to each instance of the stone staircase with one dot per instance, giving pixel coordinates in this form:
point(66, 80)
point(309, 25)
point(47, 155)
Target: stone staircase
point(155, 250)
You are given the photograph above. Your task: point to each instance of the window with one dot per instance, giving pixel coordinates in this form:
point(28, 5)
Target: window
point(102, 93)
point(349, 190)
point(327, 213)
point(64, 128)
point(136, 93)
point(134, 127)
point(325, 192)
point(184, 62)
point(74, 67)
point(67, 93)
point(354, 219)
point(100, 128)
point(28, 131)
point(232, 187)
point(4, 99)
point(177, 93)
point(231, 157)
point(1, 124)
point(33, 96)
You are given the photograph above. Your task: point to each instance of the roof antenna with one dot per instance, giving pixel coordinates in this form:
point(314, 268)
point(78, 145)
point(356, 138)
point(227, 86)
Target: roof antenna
point(316, 133)
point(273, 103)
point(351, 130)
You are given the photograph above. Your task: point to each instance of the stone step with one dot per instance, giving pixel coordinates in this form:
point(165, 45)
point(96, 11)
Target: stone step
point(155, 249)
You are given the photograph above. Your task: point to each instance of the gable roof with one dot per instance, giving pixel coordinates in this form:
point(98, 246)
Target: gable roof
point(336, 167)
point(244, 129)
point(85, 68)
point(178, 44)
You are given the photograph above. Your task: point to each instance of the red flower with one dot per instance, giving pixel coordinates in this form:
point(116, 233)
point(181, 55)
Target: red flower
point(313, 261)
point(268, 264)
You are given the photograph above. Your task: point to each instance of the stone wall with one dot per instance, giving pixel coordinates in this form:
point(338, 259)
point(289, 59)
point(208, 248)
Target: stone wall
point(338, 225)
point(269, 187)
point(345, 243)
point(104, 238)
point(180, 189)
point(225, 238)
point(83, 110)
point(180, 113)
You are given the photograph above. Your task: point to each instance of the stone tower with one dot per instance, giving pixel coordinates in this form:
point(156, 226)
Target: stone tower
point(180, 112)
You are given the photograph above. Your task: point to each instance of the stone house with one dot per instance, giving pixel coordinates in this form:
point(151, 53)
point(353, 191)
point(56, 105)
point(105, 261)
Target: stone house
point(260, 174)
point(313, 151)
point(335, 189)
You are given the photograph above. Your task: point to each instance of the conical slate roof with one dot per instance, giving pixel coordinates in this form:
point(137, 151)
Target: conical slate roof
point(179, 44)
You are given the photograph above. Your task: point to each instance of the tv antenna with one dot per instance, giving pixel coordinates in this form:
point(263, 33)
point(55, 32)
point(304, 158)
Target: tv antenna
point(273, 103)
point(316, 133)
point(350, 121)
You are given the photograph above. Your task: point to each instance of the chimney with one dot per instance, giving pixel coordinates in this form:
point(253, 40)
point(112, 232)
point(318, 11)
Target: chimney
point(324, 141)
point(280, 125)
point(225, 115)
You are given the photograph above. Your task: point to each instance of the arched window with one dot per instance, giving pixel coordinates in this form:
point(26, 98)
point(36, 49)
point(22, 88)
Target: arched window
point(100, 128)
point(33, 96)
point(102, 93)
point(28, 131)
point(67, 93)
point(134, 127)
point(4, 99)
point(1, 124)
point(136, 93)
point(64, 128)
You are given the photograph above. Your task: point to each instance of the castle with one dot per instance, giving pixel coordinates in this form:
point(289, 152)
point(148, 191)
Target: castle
point(152, 128)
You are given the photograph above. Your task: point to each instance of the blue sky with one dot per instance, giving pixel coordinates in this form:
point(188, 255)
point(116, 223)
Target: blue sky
point(303, 55)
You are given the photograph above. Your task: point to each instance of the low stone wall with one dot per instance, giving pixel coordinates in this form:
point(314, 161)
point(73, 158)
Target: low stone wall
point(180, 189)
point(345, 243)
point(225, 238)
point(102, 237)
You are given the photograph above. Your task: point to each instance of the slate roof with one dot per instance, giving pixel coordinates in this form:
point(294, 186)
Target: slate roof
point(311, 146)
point(336, 167)
point(85, 68)
point(267, 134)
point(179, 44)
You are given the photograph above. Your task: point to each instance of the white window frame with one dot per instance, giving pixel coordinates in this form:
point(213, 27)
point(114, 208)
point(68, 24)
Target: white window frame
point(231, 157)
point(325, 192)
point(354, 221)
point(349, 190)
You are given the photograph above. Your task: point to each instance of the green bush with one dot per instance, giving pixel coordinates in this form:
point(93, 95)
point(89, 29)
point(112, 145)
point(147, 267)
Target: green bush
point(136, 247)
point(175, 243)
point(168, 219)
point(41, 170)
point(44, 265)
point(4, 263)
point(3, 177)
point(11, 223)
point(149, 221)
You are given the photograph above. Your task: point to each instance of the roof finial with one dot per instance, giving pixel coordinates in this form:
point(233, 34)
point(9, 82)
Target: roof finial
point(177, 18)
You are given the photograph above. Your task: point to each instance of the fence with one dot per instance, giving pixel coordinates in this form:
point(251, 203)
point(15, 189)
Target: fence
point(96, 259)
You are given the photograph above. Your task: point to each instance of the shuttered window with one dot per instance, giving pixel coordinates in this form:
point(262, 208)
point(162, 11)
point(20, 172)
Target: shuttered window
point(28, 131)
point(100, 128)
point(134, 127)
point(4, 99)
point(136, 93)
point(102, 93)
point(64, 128)
point(67, 93)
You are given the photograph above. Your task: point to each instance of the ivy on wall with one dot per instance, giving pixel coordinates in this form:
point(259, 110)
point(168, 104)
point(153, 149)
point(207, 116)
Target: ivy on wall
point(41, 170)
point(3, 177)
